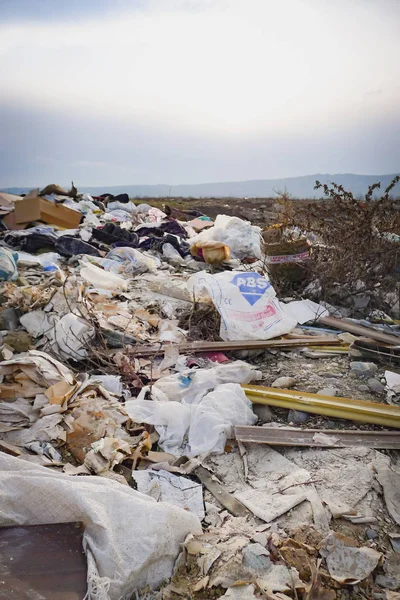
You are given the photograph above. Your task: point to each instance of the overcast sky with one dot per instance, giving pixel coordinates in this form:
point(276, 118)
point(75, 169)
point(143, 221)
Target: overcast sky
point(109, 92)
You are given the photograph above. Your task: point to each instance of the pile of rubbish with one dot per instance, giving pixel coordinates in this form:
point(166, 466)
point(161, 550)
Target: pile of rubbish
point(256, 459)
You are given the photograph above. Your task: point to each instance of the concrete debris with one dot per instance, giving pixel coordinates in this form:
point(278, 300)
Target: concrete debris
point(347, 563)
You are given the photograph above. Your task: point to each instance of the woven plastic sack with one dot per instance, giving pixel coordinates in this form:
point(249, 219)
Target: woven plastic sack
point(8, 265)
point(247, 304)
point(130, 539)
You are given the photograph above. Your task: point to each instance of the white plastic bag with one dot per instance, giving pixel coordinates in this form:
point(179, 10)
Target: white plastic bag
point(134, 261)
point(243, 238)
point(185, 425)
point(103, 279)
point(172, 255)
point(247, 304)
point(128, 207)
point(212, 420)
point(171, 420)
point(191, 385)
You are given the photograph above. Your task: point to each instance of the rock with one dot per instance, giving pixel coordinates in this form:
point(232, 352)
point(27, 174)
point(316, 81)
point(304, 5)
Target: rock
point(256, 557)
point(391, 566)
point(241, 592)
point(371, 534)
point(363, 369)
point(284, 382)
point(9, 319)
point(391, 583)
point(298, 417)
point(262, 538)
point(363, 388)
point(263, 412)
point(394, 541)
point(20, 341)
point(328, 391)
point(376, 386)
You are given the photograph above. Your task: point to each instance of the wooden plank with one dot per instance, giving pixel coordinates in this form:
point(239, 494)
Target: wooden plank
point(204, 346)
point(359, 330)
point(287, 436)
point(42, 561)
point(9, 448)
point(235, 507)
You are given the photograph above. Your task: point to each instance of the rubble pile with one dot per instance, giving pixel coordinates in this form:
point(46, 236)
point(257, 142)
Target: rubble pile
point(214, 440)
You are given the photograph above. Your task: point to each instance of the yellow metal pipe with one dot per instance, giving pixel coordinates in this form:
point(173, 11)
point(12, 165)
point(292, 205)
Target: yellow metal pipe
point(341, 408)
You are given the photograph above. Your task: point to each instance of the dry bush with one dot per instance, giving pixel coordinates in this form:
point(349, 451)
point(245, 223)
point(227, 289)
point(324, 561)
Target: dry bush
point(357, 249)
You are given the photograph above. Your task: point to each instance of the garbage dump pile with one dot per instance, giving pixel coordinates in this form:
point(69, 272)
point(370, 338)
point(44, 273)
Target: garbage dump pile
point(214, 440)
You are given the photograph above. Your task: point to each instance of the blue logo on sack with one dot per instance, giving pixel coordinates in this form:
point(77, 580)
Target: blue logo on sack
point(251, 285)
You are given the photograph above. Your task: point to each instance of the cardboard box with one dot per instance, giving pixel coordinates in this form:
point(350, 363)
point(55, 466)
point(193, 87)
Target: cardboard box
point(11, 224)
point(39, 209)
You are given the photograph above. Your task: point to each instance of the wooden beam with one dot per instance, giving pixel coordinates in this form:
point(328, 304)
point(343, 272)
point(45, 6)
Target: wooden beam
point(359, 330)
point(331, 438)
point(204, 346)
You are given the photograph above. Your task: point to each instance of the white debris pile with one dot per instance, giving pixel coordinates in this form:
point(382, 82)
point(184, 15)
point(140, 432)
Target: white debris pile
point(148, 372)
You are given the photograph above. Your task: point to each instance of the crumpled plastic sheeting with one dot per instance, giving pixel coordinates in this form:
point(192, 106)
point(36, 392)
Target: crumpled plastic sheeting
point(191, 385)
point(191, 421)
point(243, 238)
point(206, 425)
point(134, 539)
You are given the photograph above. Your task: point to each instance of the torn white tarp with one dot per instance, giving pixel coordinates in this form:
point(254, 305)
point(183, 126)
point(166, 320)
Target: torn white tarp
point(133, 539)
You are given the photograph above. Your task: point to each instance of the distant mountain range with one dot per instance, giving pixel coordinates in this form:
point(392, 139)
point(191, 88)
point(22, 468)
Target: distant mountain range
point(298, 187)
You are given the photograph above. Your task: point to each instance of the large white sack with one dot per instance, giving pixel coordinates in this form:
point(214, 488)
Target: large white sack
point(134, 539)
point(247, 304)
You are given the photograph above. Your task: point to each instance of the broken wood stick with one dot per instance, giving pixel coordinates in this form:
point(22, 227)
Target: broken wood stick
point(235, 507)
point(359, 330)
